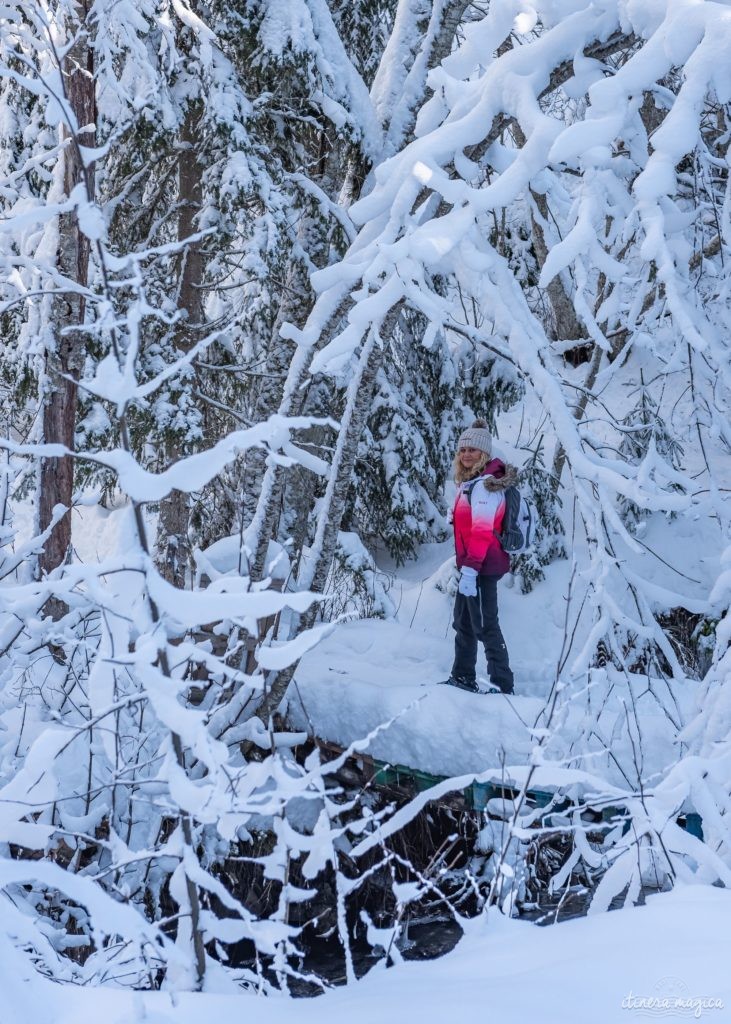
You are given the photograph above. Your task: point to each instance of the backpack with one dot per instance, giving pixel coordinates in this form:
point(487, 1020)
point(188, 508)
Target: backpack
point(516, 535)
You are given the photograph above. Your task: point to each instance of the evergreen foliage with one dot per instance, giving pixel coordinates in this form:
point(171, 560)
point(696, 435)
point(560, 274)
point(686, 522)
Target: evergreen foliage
point(277, 253)
point(549, 544)
point(405, 455)
point(646, 436)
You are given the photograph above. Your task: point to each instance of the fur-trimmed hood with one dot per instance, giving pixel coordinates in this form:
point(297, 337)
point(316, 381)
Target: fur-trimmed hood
point(497, 476)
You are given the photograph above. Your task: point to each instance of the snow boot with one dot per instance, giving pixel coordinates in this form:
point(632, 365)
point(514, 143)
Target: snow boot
point(494, 688)
point(487, 686)
point(463, 684)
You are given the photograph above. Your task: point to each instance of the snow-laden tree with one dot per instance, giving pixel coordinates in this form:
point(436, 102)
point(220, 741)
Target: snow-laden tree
point(593, 140)
point(120, 750)
point(225, 226)
point(131, 773)
point(644, 428)
point(405, 451)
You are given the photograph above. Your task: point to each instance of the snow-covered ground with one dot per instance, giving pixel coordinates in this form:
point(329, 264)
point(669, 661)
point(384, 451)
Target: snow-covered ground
point(599, 968)
point(368, 673)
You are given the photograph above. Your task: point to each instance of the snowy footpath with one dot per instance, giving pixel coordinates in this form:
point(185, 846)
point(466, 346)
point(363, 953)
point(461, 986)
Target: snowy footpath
point(663, 961)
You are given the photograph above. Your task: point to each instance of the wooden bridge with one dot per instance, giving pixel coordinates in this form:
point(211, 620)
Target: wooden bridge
point(491, 798)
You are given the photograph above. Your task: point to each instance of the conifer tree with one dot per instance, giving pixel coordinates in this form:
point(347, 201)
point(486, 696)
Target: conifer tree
point(548, 542)
point(645, 436)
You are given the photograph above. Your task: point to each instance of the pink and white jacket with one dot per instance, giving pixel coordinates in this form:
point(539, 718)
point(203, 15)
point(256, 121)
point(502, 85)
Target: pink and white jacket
point(477, 519)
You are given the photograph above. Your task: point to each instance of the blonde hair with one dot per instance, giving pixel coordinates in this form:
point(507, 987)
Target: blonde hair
point(461, 474)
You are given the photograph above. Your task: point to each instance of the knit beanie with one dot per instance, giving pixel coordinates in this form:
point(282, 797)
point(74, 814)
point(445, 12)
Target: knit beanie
point(476, 436)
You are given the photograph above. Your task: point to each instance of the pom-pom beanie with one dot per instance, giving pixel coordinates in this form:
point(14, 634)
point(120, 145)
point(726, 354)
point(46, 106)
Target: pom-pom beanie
point(476, 436)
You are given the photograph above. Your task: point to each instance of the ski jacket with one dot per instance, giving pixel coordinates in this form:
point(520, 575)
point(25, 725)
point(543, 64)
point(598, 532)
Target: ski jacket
point(477, 517)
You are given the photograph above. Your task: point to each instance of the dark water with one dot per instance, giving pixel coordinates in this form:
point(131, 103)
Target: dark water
point(420, 940)
point(427, 940)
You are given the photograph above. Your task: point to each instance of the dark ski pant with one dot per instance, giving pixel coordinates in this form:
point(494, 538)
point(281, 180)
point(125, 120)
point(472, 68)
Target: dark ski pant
point(476, 621)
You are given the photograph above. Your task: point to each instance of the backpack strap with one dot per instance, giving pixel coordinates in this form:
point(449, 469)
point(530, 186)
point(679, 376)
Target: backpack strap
point(467, 491)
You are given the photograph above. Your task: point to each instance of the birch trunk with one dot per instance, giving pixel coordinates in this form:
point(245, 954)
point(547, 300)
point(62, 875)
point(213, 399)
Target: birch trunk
point(295, 303)
point(315, 575)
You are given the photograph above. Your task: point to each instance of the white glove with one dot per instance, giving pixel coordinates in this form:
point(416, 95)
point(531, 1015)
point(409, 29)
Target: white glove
point(467, 585)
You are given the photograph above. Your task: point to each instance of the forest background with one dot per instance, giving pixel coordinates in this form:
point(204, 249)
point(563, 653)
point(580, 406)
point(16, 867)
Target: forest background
point(261, 263)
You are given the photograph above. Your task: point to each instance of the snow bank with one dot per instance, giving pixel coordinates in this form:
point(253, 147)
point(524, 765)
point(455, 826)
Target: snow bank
point(362, 676)
point(593, 968)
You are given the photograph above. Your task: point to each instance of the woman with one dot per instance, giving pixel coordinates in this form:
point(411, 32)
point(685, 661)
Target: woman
point(477, 517)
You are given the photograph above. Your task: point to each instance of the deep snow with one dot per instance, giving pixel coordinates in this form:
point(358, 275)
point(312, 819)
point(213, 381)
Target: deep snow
point(367, 673)
point(588, 969)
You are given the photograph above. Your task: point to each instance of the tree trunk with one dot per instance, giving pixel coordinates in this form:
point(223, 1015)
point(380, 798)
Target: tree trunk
point(358, 405)
point(567, 325)
point(297, 301)
point(559, 458)
point(65, 361)
point(652, 118)
point(173, 545)
point(268, 483)
point(271, 384)
point(302, 483)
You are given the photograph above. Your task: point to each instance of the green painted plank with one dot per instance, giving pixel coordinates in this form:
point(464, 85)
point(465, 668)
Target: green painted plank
point(479, 794)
